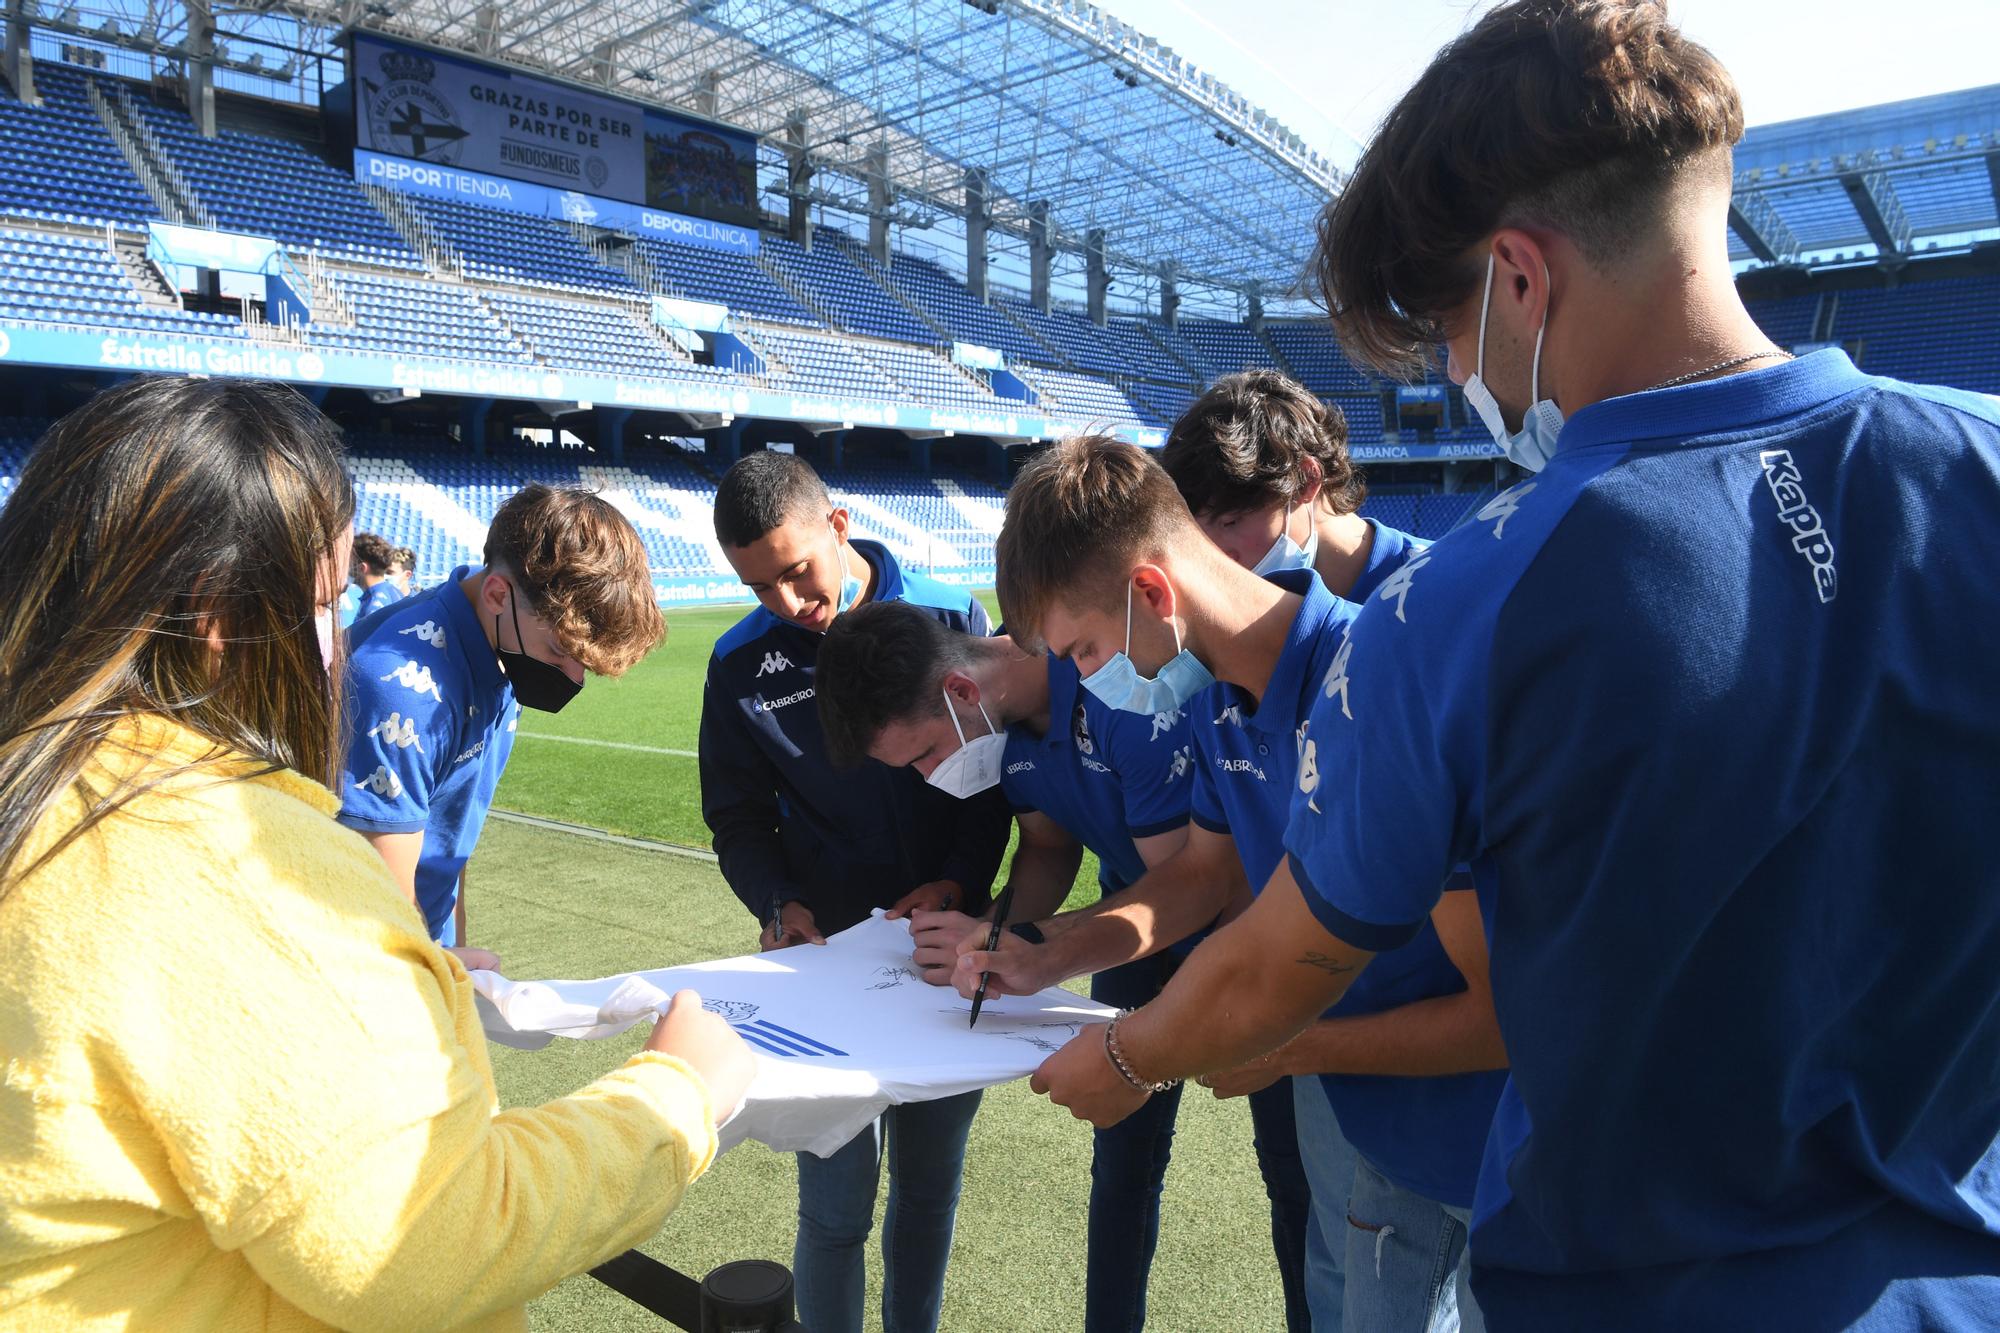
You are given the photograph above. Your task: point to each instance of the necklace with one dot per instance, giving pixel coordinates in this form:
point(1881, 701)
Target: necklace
point(1729, 364)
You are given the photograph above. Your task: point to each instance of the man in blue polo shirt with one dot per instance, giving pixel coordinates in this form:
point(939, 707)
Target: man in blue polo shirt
point(1707, 704)
point(1124, 532)
point(972, 714)
point(811, 849)
point(374, 574)
point(1253, 454)
point(436, 682)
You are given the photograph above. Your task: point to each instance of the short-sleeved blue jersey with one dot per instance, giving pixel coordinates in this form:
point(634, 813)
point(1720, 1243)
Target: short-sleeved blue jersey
point(430, 725)
point(374, 599)
point(1106, 776)
point(788, 825)
point(1423, 1133)
point(1710, 706)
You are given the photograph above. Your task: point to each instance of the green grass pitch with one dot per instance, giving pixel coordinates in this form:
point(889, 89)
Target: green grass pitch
point(556, 904)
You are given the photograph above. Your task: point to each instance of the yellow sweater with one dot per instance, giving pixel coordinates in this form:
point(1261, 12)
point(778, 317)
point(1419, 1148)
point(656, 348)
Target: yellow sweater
point(241, 1089)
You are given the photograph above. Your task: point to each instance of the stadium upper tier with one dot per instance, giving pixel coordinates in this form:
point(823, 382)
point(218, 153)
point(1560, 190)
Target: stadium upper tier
point(410, 279)
point(432, 495)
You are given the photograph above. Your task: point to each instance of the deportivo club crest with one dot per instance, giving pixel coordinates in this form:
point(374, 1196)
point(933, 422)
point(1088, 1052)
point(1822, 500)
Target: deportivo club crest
point(731, 1011)
point(406, 114)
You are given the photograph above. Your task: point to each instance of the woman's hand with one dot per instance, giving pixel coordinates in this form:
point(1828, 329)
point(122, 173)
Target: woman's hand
point(710, 1046)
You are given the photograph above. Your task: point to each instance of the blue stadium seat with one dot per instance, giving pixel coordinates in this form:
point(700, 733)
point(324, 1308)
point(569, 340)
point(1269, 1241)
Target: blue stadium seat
point(57, 161)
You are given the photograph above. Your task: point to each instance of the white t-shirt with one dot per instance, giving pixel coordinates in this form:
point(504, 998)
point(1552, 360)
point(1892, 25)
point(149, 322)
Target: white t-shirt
point(840, 1031)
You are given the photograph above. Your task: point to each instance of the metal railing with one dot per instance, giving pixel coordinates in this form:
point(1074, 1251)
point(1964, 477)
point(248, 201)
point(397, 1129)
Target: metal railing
point(439, 255)
point(176, 181)
point(134, 154)
point(330, 305)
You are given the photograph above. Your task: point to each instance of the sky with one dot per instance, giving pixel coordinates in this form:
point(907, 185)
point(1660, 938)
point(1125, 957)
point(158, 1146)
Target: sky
point(1330, 69)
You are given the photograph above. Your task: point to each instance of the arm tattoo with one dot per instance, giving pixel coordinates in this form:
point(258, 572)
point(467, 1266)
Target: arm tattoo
point(1330, 966)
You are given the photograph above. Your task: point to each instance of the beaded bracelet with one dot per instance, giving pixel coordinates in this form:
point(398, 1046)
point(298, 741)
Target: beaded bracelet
point(1113, 1053)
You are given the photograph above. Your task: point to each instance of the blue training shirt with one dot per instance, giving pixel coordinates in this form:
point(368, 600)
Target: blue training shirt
point(788, 825)
point(1424, 1134)
point(1107, 776)
point(430, 725)
point(374, 599)
point(1710, 706)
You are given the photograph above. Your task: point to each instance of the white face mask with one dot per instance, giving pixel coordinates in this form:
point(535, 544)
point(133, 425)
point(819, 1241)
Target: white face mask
point(323, 627)
point(1533, 445)
point(1288, 554)
point(975, 765)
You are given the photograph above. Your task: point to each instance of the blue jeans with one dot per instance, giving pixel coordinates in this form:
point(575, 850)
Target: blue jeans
point(1128, 1167)
point(1329, 1160)
point(1407, 1266)
point(1274, 1123)
point(926, 1152)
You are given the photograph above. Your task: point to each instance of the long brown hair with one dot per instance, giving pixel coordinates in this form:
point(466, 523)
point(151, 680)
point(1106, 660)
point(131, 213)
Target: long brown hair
point(159, 514)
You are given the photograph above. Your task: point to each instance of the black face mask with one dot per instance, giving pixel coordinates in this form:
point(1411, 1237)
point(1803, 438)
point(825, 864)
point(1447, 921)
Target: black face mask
point(537, 684)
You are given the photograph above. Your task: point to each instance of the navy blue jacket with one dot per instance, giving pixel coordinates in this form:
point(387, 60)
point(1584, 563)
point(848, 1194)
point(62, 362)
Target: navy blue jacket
point(791, 827)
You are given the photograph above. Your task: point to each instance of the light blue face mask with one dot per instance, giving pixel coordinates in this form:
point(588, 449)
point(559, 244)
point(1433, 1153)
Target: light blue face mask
point(1288, 554)
point(1533, 445)
point(850, 586)
point(1118, 684)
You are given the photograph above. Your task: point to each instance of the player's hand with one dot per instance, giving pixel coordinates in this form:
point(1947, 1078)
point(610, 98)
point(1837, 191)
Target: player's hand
point(795, 926)
point(935, 937)
point(1080, 1076)
point(940, 895)
point(710, 1047)
point(476, 959)
point(1015, 967)
point(1246, 1078)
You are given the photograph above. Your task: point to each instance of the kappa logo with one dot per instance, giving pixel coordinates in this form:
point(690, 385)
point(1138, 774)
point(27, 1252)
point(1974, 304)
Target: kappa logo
point(1502, 506)
point(428, 631)
point(1336, 674)
point(1183, 763)
point(383, 783)
point(1309, 775)
point(1164, 722)
point(1398, 584)
point(1809, 537)
point(774, 663)
point(414, 676)
point(398, 731)
point(1232, 716)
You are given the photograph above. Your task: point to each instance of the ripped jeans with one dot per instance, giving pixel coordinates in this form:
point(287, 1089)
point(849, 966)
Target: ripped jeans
point(1408, 1269)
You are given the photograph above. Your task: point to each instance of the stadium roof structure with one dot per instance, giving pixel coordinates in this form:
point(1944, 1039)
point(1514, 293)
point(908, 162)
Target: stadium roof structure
point(1876, 184)
point(1052, 100)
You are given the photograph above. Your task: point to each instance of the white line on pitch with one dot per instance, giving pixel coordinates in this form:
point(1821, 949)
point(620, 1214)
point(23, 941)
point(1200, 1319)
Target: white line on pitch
point(609, 745)
point(584, 831)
